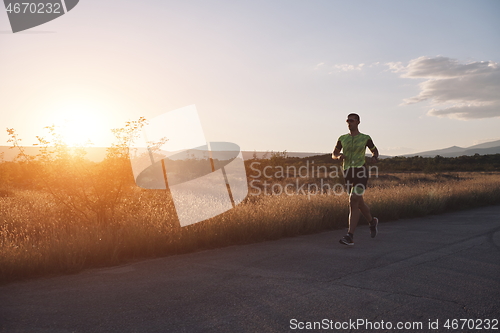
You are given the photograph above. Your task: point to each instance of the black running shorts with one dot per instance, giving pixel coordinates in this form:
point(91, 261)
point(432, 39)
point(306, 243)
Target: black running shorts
point(356, 180)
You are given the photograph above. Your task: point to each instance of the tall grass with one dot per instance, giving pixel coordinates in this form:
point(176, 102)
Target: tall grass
point(41, 236)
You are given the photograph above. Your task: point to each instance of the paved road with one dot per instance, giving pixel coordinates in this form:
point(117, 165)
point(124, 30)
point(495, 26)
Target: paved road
point(416, 270)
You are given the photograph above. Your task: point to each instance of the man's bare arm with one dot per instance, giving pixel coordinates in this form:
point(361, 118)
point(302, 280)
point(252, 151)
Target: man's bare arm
point(374, 155)
point(336, 155)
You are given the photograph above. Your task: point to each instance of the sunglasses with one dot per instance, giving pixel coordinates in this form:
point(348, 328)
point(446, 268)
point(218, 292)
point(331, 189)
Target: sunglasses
point(350, 120)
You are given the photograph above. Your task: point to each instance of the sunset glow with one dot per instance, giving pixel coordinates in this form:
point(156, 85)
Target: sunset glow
point(81, 125)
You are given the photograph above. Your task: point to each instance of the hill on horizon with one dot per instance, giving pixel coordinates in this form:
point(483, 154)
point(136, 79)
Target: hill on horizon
point(487, 148)
point(97, 154)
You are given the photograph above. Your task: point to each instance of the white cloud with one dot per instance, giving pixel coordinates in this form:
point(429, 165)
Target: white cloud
point(347, 67)
point(443, 67)
point(462, 91)
point(396, 67)
point(319, 65)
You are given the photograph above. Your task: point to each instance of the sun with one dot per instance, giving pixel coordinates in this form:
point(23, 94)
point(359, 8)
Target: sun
point(82, 126)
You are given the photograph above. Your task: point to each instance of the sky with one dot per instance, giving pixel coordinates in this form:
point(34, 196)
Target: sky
point(266, 75)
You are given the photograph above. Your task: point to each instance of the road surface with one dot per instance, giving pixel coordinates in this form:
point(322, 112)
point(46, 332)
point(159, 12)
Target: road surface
point(416, 272)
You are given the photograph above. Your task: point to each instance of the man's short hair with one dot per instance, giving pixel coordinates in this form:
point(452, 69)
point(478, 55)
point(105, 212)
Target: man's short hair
point(353, 115)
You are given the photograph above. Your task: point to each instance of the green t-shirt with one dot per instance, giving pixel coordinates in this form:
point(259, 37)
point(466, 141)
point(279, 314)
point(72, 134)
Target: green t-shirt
point(354, 148)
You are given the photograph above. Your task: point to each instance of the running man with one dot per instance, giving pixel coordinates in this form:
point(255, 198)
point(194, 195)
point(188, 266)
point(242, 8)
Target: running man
point(353, 147)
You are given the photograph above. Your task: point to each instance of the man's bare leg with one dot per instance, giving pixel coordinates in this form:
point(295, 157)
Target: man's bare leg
point(357, 206)
point(365, 210)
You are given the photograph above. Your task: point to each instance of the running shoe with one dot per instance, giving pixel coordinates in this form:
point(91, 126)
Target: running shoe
point(373, 227)
point(346, 240)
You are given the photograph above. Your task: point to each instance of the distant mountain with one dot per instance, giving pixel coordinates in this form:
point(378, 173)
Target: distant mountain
point(441, 152)
point(473, 151)
point(486, 148)
point(491, 144)
point(97, 154)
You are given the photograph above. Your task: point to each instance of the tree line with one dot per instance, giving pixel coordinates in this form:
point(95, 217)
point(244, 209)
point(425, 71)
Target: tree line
point(484, 163)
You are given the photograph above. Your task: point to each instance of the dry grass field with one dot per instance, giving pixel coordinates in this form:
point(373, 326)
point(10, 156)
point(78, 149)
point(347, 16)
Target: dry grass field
point(40, 235)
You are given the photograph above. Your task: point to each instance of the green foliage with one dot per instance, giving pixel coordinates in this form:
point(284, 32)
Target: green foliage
point(412, 164)
point(278, 158)
point(441, 164)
